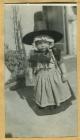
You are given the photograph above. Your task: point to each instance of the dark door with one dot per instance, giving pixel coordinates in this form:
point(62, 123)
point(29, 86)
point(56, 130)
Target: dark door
point(55, 18)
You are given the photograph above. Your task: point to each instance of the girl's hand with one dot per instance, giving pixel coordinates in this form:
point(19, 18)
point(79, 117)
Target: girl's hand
point(64, 77)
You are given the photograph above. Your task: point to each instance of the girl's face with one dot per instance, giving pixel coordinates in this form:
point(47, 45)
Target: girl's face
point(43, 42)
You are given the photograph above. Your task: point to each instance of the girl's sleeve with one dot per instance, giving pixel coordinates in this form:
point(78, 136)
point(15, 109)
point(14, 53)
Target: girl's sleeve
point(60, 61)
point(28, 71)
point(62, 66)
point(30, 64)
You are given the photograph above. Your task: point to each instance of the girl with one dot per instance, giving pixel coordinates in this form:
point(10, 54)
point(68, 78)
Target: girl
point(50, 77)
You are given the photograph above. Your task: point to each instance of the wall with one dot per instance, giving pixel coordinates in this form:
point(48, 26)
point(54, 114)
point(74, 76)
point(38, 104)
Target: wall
point(71, 19)
point(27, 22)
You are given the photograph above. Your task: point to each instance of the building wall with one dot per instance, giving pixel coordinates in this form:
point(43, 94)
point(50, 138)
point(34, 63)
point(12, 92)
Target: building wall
point(71, 20)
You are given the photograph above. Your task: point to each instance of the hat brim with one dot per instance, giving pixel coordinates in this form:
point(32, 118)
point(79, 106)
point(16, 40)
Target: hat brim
point(28, 38)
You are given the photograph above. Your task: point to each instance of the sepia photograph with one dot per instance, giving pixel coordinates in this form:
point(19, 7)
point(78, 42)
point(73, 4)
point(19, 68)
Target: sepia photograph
point(40, 70)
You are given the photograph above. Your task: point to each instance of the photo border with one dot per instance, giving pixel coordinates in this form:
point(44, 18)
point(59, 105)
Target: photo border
point(2, 98)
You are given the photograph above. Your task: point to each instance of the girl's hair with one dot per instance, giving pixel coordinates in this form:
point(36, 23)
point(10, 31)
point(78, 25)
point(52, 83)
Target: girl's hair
point(45, 38)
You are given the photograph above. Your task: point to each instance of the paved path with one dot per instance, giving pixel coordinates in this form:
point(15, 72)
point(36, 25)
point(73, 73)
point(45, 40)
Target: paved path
point(25, 119)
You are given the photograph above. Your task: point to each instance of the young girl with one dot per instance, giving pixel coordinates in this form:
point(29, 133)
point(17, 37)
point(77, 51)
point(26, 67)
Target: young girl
point(50, 76)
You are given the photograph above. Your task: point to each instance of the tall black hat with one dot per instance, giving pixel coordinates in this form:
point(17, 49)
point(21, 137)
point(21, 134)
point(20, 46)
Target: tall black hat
point(40, 28)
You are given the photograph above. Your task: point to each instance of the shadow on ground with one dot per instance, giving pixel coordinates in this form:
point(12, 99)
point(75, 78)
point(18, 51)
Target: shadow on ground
point(8, 135)
point(27, 93)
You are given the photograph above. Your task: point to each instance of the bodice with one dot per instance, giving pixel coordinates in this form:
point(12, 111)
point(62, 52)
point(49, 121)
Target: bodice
point(42, 60)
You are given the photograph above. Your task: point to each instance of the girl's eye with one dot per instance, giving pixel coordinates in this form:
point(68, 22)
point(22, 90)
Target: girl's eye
point(50, 43)
point(38, 42)
point(47, 42)
point(41, 41)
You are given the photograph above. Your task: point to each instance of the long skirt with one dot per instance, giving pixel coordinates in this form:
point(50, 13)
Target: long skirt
point(50, 89)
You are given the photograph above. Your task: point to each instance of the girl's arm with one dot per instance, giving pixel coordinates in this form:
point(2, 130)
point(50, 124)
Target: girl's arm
point(62, 67)
point(59, 59)
point(60, 62)
point(63, 71)
point(28, 69)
